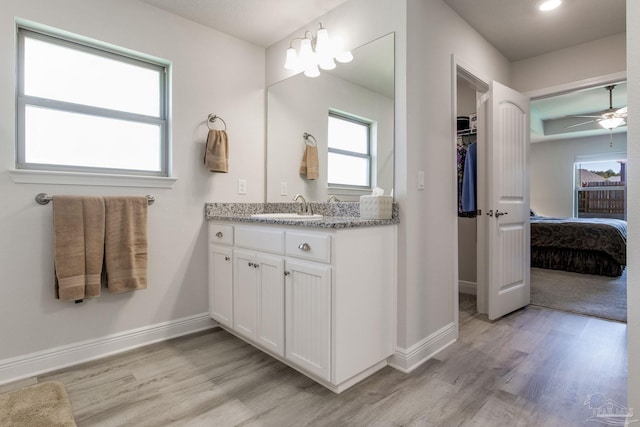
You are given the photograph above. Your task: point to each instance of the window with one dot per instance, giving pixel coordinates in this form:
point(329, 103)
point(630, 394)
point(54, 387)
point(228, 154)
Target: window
point(601, 189)
point(349, 157)
point(85, 108)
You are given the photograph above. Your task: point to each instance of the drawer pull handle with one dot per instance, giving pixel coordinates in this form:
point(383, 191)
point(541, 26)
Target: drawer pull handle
point(227, 258)
point(250, 264)
point(219, 234)
point(286, 273)
point(304, 247)
point(256, 265)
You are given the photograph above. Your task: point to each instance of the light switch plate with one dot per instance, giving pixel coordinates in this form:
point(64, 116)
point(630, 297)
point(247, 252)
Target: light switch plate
point(283, 188)
point(242, 186)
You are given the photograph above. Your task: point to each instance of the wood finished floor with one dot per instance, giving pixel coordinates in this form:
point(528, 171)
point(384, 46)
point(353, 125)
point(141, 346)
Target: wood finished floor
point(534, 367)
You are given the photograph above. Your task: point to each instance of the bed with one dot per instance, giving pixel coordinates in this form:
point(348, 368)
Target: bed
point(590, 246)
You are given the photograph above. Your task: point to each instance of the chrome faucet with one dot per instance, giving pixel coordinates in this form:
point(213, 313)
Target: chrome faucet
point(305, 207)
point(333, 198)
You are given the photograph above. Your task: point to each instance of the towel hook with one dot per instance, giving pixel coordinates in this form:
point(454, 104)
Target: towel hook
point(212, 118)
point(308, 136)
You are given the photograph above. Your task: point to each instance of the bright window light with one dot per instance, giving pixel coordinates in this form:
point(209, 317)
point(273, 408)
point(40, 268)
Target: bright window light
point(82, 108)
point(349, 157)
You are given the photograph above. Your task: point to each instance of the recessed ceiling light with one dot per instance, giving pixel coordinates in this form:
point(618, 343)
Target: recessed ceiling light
point(547, 5)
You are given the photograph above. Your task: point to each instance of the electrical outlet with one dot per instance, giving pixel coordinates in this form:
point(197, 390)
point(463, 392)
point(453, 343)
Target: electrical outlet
point(420, 180)
point(242, 186)
point(283, 188)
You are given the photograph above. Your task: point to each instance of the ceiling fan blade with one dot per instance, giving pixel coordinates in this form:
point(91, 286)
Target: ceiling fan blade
point(587, 117)
point(622, 112)
point(580, 124)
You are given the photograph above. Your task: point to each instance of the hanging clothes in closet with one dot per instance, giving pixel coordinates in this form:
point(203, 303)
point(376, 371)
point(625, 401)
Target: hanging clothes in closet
point(467, 161)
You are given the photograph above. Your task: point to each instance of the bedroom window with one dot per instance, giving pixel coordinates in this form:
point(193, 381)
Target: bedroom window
point(601, 189)
point(349, 152)
point(82, 107)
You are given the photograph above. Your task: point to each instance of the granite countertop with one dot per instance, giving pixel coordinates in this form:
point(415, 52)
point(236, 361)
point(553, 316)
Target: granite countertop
point(335, 215)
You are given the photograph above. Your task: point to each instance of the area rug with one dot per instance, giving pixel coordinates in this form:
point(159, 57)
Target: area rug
point(598, 296)
point(40, 405)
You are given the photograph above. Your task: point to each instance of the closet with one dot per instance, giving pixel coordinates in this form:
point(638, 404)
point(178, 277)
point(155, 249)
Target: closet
point(466, 160)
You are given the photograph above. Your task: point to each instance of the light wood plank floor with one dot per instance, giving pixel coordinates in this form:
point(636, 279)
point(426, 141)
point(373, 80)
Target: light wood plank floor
point(535, 367)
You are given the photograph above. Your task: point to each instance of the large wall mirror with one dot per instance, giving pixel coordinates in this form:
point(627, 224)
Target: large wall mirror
point(362, 89)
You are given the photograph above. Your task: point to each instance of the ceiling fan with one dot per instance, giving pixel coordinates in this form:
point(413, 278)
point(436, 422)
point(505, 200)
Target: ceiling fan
point(610, 118)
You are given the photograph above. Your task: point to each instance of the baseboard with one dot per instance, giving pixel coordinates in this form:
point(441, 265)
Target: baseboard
point(470, 288)
point(20, 367)
point(406, 360)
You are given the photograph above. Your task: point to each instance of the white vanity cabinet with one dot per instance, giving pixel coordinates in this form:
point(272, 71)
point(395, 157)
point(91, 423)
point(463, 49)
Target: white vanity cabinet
point(221, 274)
point(321, 300)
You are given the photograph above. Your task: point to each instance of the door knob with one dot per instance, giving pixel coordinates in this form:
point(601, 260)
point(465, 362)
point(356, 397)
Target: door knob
point(499, 214)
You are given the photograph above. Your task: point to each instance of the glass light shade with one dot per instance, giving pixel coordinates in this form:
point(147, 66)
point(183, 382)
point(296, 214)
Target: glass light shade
point(312, 71)
point(322, 41)
point(306, 53)
point(291, 62)
point(327, 63)
point(344, 57)
point(611, 123)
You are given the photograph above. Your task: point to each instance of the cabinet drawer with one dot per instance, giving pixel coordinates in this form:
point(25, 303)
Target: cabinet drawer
point(260, 239)
point(316, 247)
point(221, 234)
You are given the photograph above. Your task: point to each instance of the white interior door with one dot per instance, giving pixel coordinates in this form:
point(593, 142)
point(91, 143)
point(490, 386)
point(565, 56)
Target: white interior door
point(507, 224)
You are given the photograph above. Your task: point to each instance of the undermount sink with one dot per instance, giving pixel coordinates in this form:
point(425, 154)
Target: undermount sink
point(287, 216)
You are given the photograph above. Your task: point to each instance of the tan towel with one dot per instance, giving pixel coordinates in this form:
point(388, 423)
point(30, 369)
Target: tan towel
point(216, 154)
point(93, 214)
point(126, 243)
point(309, 164)
point(78, 224)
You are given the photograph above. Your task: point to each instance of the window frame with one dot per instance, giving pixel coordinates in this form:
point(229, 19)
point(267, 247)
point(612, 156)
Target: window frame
point(96, 48)
point(368, 155)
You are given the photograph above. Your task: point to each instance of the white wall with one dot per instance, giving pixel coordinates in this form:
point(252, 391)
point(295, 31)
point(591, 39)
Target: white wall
point(633, 216)
point(429, 224)
point(597, 58)
point(300, 104)
point(552, 171)
point(212, 73)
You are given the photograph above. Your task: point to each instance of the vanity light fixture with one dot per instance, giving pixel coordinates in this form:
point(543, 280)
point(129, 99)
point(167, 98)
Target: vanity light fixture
point(547, 5)
point(316, 52)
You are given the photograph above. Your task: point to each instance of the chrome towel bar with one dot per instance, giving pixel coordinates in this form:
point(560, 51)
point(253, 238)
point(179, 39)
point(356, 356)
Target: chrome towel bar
point(44, 198)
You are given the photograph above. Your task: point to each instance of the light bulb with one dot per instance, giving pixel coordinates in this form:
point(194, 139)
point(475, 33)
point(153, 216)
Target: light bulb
point(326, 62)
point(306, 53)
point(548, 5)
point(345, 56)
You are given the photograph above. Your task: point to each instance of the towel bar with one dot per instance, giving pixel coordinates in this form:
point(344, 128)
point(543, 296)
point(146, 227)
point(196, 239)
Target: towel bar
point(44, 198)
point(212, 118)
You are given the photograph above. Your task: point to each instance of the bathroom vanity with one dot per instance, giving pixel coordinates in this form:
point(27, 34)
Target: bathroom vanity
point(318, 295)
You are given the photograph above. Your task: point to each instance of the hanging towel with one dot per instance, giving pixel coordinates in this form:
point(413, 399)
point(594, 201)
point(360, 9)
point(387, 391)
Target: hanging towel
point(78, 232)
point(216, 154)
point(126, 243)
point(93, 214)
point(469, 180)
point(309, 164)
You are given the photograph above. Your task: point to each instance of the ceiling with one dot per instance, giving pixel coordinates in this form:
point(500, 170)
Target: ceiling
point(261, 22)
point(515, 27)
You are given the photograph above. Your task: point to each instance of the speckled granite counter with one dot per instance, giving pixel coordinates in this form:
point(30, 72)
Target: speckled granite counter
point(335, 215)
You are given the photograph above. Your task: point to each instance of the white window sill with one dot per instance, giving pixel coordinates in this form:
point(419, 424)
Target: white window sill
point(81, 178)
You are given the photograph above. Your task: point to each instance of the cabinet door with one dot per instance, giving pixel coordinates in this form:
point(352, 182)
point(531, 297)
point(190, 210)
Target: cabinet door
point(221, 284)
point(270, 324)
point(245, 280)
point(308, 316)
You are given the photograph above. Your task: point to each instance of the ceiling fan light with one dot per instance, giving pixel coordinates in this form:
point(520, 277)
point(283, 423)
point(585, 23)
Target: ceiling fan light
point(611, 123)
point(547, 5)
